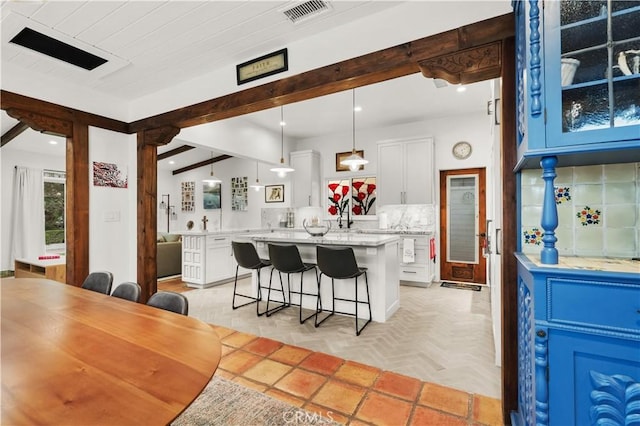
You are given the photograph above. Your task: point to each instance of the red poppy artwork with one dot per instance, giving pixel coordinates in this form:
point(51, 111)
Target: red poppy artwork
point(358, 195)
point(338, 199)
point(363, 194)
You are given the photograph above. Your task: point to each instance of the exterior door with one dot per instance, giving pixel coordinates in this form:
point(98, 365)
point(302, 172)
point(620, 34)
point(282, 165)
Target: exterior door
point(463, 225)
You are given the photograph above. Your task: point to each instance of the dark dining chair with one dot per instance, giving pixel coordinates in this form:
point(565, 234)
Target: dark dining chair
point(170, 301)
point(286, 259)
point(99, 281)
point(339, 263)
point(128, 291)
point(247, 257)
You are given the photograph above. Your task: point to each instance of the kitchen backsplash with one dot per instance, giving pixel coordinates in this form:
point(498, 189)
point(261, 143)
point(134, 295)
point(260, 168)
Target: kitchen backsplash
point(406, 217)
point(598, 210)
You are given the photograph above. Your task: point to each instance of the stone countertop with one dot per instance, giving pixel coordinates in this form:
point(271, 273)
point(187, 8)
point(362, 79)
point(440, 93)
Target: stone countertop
point(336, 238)
point(589, 264)
point(224, 232)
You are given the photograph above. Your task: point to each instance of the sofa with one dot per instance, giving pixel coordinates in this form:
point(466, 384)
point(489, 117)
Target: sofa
point(169, 254)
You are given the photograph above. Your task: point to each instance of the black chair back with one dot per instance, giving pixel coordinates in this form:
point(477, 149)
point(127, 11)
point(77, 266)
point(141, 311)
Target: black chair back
point(246, 255)
point(170, 301)
point(337, 262)
point(128, 291)
point(99, 281)
point(286, 258)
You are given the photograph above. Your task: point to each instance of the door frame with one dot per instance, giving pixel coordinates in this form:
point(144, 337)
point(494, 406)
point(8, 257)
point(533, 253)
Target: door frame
point(479, 272)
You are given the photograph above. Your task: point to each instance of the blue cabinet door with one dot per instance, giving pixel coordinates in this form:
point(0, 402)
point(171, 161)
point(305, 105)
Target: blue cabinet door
point(593, 379)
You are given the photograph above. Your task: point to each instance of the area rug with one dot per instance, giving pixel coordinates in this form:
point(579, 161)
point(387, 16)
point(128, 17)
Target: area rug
point(463, 286)
point(227, 403)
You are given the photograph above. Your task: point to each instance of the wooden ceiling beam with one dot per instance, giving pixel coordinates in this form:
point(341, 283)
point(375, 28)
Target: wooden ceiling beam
point(10, 100)
point(13, 133)
point(175, 151)
point(386, 64)
point(202, 163)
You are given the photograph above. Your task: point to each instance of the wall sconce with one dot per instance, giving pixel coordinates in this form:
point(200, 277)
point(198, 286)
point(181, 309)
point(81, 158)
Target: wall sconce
point(170, 210)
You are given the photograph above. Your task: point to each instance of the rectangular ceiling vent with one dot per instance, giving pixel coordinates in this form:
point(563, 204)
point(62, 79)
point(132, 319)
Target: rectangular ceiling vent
point(306, 10)
point(49, 46)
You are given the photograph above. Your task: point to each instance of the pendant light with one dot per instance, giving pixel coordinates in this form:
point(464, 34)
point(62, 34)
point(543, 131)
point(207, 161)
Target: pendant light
point(282, 169)
point(257, 186)
point(212, 179)
point(354, 161)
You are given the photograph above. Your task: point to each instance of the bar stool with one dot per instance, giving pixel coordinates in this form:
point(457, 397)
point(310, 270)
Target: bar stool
point(339, 263)
point(286, 259)
point(247, 257)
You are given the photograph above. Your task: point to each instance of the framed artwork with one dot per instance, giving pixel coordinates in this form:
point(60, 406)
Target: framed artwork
point(188, 196)
point(110, 175)
point(239, 200)
point(274, 194)
point(357, 196)
point(211, 196)
point(343, 155)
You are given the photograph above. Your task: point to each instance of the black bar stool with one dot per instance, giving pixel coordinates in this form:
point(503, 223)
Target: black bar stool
point(247, 257)
point(286, 259)
point(339, 263)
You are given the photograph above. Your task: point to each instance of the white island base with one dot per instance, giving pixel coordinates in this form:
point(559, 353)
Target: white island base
point(378, 253)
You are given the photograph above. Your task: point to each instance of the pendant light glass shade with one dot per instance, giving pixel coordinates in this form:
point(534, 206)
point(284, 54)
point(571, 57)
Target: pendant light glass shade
point(282, 169)
point(354, 161)
point(212, 179)
point(257, 186)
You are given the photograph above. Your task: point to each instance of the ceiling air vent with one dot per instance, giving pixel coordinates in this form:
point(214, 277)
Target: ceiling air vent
point(49, 46)
point(306, 10)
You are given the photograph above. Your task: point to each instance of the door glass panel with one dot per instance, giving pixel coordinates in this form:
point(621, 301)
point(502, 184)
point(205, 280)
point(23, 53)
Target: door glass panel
point(462, 223)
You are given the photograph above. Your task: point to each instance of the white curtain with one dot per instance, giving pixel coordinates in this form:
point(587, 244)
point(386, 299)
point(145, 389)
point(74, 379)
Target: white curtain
point(28, 214)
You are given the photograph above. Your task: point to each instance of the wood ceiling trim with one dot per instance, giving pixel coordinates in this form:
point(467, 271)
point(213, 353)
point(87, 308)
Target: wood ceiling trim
point(371, 68)
point(175, 151)
point(42, 123)
point(10, 100)
point(466, 66)
point(13, 133)
point(202, 164)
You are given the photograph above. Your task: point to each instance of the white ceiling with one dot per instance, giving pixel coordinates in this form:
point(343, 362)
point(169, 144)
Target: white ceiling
point(152, 44)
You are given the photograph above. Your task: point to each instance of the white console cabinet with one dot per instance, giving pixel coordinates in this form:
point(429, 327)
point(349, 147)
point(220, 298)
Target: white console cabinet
point(207, 259)
point(422, 269)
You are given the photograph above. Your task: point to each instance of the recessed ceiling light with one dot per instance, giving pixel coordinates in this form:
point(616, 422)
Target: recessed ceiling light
point(461, 89)
point(172, 162)
point(52, 142)
point(357, 109)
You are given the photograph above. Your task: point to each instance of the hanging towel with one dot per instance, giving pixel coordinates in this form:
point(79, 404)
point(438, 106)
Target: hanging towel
point(432, 249)
point(408, 250)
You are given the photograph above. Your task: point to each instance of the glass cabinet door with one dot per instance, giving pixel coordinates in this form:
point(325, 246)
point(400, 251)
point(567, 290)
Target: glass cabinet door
point(593, 52)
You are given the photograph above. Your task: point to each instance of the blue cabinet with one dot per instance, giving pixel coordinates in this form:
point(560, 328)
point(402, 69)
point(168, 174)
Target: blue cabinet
point(578, 77)
point(578, 103)
point(578, 344)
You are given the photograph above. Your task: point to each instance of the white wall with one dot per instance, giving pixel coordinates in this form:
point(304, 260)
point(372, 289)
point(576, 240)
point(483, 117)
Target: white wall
point(112, 243)
point(225, 170)
point(9, 158)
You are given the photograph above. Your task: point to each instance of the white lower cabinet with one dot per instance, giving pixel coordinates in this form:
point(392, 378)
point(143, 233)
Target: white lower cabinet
point(207, 259)
point(421, 270)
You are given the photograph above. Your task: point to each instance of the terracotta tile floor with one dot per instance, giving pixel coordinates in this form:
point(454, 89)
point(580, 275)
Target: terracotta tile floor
point(345, 391)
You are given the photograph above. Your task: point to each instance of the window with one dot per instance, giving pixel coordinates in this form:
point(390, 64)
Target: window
point(54, 210)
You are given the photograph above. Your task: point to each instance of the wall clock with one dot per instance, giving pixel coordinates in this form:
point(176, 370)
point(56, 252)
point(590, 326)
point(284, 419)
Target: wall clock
point(461, 150)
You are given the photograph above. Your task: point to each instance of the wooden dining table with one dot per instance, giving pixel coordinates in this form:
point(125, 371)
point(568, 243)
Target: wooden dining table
point(74, 356)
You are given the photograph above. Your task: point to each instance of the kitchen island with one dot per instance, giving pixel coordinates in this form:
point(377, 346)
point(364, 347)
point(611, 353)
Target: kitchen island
point(378, 253)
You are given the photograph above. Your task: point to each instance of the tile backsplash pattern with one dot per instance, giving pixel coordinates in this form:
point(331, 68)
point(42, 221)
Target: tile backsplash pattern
point(598, 210)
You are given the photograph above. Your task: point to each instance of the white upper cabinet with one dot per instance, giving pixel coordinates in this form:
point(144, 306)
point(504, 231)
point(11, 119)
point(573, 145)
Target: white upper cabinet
point(306, 178)
point(405, 172)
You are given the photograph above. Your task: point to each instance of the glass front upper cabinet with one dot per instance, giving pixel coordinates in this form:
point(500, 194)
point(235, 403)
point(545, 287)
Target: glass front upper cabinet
point(592, 67)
